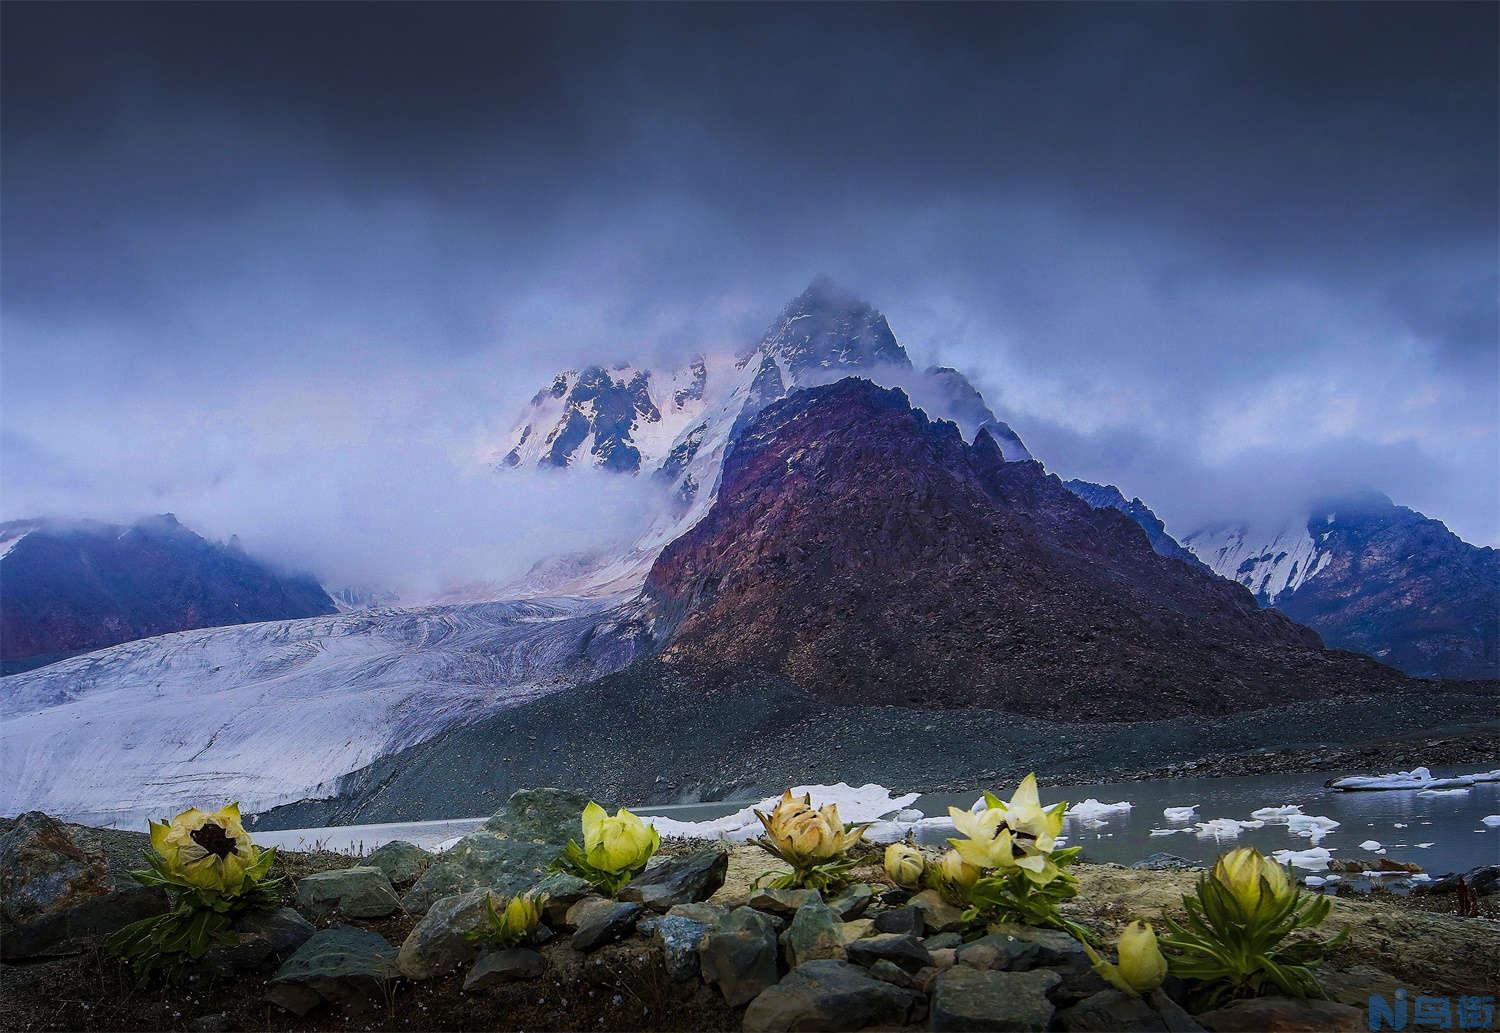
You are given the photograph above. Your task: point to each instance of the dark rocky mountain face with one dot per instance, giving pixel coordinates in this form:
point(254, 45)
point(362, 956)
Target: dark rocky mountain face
point(827, 328)
point(871, 556)
point(72, 588)
point(1107, 496)
point(1401, 587)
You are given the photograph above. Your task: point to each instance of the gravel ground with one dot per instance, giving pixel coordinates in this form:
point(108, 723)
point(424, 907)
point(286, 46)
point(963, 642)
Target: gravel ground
point(650, 735)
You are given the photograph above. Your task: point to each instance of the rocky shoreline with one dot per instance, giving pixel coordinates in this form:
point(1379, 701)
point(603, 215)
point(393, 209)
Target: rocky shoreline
point(750, 739)
point(381, 942)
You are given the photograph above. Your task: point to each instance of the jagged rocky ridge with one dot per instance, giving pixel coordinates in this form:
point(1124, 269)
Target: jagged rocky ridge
point(872, 556)
point(1376, 578)
point(75, 586)
point(1107, 496)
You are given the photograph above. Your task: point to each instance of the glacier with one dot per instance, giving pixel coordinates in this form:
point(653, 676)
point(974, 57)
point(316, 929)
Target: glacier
point(272, 713)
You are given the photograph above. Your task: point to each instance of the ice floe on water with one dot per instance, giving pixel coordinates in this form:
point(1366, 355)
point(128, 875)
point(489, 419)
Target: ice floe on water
point(1225, 828)
point(1416, 778)
point(1313, 859)
point(1371, 844)
point(870, 802)
point(1180, 813)
point(1093, 813)
point(1307, 826)
point(1492, 820)
point(1456, 791)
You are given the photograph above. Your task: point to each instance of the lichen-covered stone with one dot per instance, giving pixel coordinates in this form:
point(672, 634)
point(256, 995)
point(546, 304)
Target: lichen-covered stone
point(402, 862)
point(439, 942)
point(362, 892)
point(680, 880)
point(814, 934)
point(969, 999)
point(739, 955)
point(343, 965)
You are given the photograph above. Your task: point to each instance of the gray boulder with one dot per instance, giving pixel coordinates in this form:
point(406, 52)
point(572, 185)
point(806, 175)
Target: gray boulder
point(498, 967)
point(831, 995)
point(60, 888)
point(739, 955)
point(1110, 1011)
point(402, 862)
point(261, 938)
point(343, 965)
point(902, 920)
point(853, 901)
point(606, 924)
point(362, 892)
point(1483, 880)
point(1284, 1015)
point(938, 916)
point(969, 999)
point(1053, 947)
point(783, 903)
point(562, 891)
point(815, 934)
point(680, 932)
point(440, 941)
point(1163, 863)
point(680, 880)
point(509, 853)
point(898, 948)
point(482, 859)
point(545, 816)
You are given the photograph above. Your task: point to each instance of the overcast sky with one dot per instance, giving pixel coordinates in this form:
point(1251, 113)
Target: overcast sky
point(285, 269)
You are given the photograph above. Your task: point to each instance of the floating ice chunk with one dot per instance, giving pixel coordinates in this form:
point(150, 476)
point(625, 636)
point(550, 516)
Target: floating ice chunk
point(1455, 791)
point(1310, 826)
point(1180, 813)
point(865, 803)
point(1276, 813)
point(1423, 846)
point(1314, 859)
point(1314, 881)
point(1369, 844)
point(1225, 828)
point(1093, 813)
point(1492, 820)
point(1399, 825)
point(1416, 778)
point(1421, 877)
point(1167, 832)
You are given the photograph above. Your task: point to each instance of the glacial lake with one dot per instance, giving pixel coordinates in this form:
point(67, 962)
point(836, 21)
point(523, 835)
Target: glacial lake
point(1441, 833)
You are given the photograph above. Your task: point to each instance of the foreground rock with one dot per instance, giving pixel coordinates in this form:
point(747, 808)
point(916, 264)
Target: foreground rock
point(1284, 1015)
point(832, 995)
point(968, 999)
point(606, 923)
point(58, 889)
point(815, 934)
point(362, 892)
point(739, 955)
point(440, 942)
point(682, 880)
point(680, 933)
point(343, 965)
point(498, 967)
point(509, 853)
point(262, 937)
point(402, 862)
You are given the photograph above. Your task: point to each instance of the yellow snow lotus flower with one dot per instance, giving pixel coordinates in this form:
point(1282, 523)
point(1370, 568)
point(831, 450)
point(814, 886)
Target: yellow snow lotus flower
point(803, 836)
point(617, 844)
point(1257, 885)
point(954, 878)
point(1142, 965)
point(988, 843)
point(905, 864)
point(509, 926)
point(209, 850)
point(1025, 816)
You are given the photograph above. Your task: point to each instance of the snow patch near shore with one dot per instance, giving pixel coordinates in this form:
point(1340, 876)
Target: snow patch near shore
point(1416, 778)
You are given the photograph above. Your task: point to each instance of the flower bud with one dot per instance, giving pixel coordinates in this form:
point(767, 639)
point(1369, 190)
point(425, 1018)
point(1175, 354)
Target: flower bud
point(1141, 962)
point(904, 864)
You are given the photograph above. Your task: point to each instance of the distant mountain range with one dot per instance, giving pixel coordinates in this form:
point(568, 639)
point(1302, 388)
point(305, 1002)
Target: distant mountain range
point(1368, 575)
point(70, 587)
point(840, 528)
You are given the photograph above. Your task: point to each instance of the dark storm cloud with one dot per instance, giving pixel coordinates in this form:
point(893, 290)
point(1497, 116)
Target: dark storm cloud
point(1256, 241)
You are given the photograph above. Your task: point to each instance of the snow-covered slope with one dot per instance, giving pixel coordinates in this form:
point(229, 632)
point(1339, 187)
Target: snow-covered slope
point(268, 713)
point(1269, 564)
point(676, 425)
point(1376, 578)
